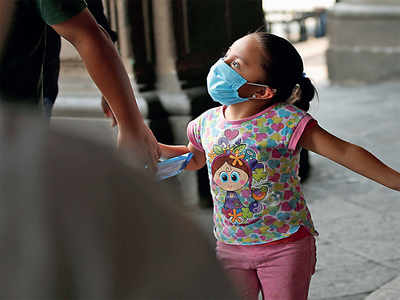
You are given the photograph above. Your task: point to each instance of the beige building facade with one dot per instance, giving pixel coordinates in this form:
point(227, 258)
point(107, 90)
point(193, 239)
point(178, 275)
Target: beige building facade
point(364, 41)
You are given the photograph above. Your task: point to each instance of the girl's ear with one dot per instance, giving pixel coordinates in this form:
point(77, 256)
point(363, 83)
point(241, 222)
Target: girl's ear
point(264, 93)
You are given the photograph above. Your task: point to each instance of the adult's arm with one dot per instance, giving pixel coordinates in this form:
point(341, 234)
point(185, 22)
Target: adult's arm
point(96, 8)
point(107, 71)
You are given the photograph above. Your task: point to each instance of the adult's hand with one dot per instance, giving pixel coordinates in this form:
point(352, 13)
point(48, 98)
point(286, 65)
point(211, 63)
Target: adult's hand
point(144, 145)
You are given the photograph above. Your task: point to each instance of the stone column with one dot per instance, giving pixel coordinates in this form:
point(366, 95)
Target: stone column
point(168, 85)
point(124, 46)
point(364, 41)
point(169, 92)
point(70, 59)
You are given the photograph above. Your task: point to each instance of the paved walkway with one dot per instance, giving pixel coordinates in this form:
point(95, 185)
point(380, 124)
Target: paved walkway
point(358, 247)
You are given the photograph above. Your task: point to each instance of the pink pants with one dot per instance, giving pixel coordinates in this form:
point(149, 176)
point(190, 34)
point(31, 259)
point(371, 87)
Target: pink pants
point(280, 272)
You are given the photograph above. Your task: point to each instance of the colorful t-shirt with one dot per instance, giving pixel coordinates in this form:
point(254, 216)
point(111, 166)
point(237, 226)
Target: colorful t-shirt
point(253, 170)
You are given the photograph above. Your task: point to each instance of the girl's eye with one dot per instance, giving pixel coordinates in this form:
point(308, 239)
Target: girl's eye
point(223, 176)
point(235, 64)
point(235, 176)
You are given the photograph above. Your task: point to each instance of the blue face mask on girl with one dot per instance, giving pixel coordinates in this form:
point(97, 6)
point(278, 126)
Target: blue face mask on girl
point(223, 83)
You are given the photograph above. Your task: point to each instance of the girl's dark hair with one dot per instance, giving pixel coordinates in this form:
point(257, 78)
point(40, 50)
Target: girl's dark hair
point(284, 69)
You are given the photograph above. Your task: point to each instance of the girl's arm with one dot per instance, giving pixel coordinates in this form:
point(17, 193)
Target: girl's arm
point(197, 162)
point(350, 156)
point(168, 151)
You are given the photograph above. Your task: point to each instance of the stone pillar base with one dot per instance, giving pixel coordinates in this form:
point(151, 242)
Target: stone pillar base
point(364, 43)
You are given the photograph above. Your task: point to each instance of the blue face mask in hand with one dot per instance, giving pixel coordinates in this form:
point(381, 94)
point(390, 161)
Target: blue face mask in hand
point(173, 166)
point(223, 83)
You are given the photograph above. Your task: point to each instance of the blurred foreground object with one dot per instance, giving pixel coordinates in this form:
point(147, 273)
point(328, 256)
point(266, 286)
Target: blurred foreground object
point(78, 223)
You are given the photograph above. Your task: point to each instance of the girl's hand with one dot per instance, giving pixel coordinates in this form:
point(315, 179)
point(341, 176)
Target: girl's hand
point(168, 151)
point(197, 162)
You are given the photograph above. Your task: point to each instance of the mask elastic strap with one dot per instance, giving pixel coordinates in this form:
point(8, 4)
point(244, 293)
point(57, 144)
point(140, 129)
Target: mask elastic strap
point(263, 85)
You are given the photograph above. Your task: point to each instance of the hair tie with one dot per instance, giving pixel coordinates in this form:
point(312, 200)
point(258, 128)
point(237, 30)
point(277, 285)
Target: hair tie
point(304, 75)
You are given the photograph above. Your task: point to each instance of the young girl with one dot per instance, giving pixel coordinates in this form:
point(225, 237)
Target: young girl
point(251, 145)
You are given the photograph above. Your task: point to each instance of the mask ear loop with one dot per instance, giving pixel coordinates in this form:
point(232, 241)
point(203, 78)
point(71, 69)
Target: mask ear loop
point(263, 85)
point(296, 94)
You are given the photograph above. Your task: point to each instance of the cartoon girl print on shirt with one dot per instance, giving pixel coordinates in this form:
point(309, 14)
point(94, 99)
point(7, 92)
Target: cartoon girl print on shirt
point(231, 172)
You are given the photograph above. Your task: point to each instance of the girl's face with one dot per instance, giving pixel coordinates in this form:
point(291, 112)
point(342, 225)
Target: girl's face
point(230, 178)
point(245, 57)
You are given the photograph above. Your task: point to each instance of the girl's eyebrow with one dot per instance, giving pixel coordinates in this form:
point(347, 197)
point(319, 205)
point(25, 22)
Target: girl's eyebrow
point(237, 56)
point(241, 58)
